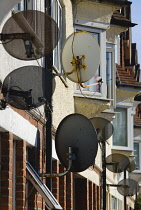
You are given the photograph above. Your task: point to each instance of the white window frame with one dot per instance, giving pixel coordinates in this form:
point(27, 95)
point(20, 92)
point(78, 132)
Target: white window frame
point(55, 4)
point(138, 170)
point(129, 108)
point(102, 42)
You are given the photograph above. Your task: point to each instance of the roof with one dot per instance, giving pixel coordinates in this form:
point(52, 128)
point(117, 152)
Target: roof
point(118, 2)
point(125, 79)
point(119, 19)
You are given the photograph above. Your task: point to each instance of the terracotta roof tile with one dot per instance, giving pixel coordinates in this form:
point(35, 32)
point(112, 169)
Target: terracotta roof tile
point(123, 78)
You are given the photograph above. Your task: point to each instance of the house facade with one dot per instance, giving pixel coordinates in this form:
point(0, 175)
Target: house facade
point(23, 134)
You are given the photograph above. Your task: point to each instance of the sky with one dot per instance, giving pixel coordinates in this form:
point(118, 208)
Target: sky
point(136, 30)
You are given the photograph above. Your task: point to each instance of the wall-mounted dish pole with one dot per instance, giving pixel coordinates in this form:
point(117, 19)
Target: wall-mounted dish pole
point(48, 107)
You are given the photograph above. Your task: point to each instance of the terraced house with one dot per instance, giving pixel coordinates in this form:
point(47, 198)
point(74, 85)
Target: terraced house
point(34, 102)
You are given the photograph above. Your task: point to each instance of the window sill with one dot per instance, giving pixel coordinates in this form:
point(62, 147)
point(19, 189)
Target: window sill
point(90, 106)
point(126, 150)
point(137, 171)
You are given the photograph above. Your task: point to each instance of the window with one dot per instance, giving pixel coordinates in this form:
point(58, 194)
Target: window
point(25, 5)
point(100, 36)
point(110, 69)
point(137, 149)
point(57, 16)
point(122, 138)
point(114, 203)
point(120, 128)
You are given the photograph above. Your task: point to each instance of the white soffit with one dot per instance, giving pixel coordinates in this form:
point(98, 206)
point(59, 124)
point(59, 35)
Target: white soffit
point(13, 122)
point(6, 6)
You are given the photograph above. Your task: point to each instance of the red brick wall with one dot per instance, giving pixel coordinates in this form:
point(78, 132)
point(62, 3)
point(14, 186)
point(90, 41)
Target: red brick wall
point(62, 188)
point(20, 174)
point(6, 171)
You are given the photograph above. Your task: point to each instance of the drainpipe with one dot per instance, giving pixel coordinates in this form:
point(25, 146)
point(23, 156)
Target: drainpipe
point(48, 106)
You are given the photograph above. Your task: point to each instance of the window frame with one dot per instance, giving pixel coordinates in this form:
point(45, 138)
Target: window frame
point(102, 42)
point(130, 137)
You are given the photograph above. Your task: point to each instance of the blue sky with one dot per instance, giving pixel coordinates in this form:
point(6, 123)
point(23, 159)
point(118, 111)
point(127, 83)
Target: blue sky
point(136, 30)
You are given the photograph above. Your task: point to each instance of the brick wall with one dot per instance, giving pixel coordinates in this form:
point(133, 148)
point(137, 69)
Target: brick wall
point(6, 171)
point(75, 193)
point(20, 174)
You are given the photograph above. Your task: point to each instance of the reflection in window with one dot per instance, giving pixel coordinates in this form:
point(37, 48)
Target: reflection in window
point(95, 88)
point(120, 128)
point(136, 153)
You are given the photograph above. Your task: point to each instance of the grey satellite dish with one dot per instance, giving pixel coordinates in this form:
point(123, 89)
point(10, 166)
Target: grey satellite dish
point(25, 87)
point(103, 127)
point(117, 163)
point(128, 187)
point(132, 165)
point(36, 33)
point(76, 131)
point(80, 56)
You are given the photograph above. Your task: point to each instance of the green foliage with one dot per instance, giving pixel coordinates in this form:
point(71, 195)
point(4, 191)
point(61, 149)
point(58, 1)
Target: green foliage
point(138, 204)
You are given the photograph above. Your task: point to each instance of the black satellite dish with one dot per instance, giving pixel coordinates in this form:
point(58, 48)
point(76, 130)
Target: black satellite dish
point(24, 88)
point(117, 163)
point(29, 35)
point(128, 187)
point(76, 131)
point(104, 128)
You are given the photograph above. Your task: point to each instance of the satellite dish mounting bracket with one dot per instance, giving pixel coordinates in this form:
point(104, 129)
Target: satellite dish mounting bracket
point(3, 104)
point(24, 36)
point(70, 157)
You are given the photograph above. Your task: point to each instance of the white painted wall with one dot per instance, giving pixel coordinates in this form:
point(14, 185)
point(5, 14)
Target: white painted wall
point(13, 122)
point(6, 6)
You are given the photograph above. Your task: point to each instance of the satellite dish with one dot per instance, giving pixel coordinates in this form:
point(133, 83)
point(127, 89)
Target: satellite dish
point(132, 165)
point(128, 187)
point(80, 56)
point(76, 131)
point(103, 127)
point(43, 32)
point(117, 163)
point(25, 87)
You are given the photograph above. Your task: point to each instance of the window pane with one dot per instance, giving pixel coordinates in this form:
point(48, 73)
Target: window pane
point(136, 153)
point(57, 16)
point(93, 80)
point(109, 74)
point(120, 128)
point(114, 203)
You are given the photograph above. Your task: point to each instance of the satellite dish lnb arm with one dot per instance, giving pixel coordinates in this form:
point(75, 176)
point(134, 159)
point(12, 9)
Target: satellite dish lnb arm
point(24, 25)
point(65, 172)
